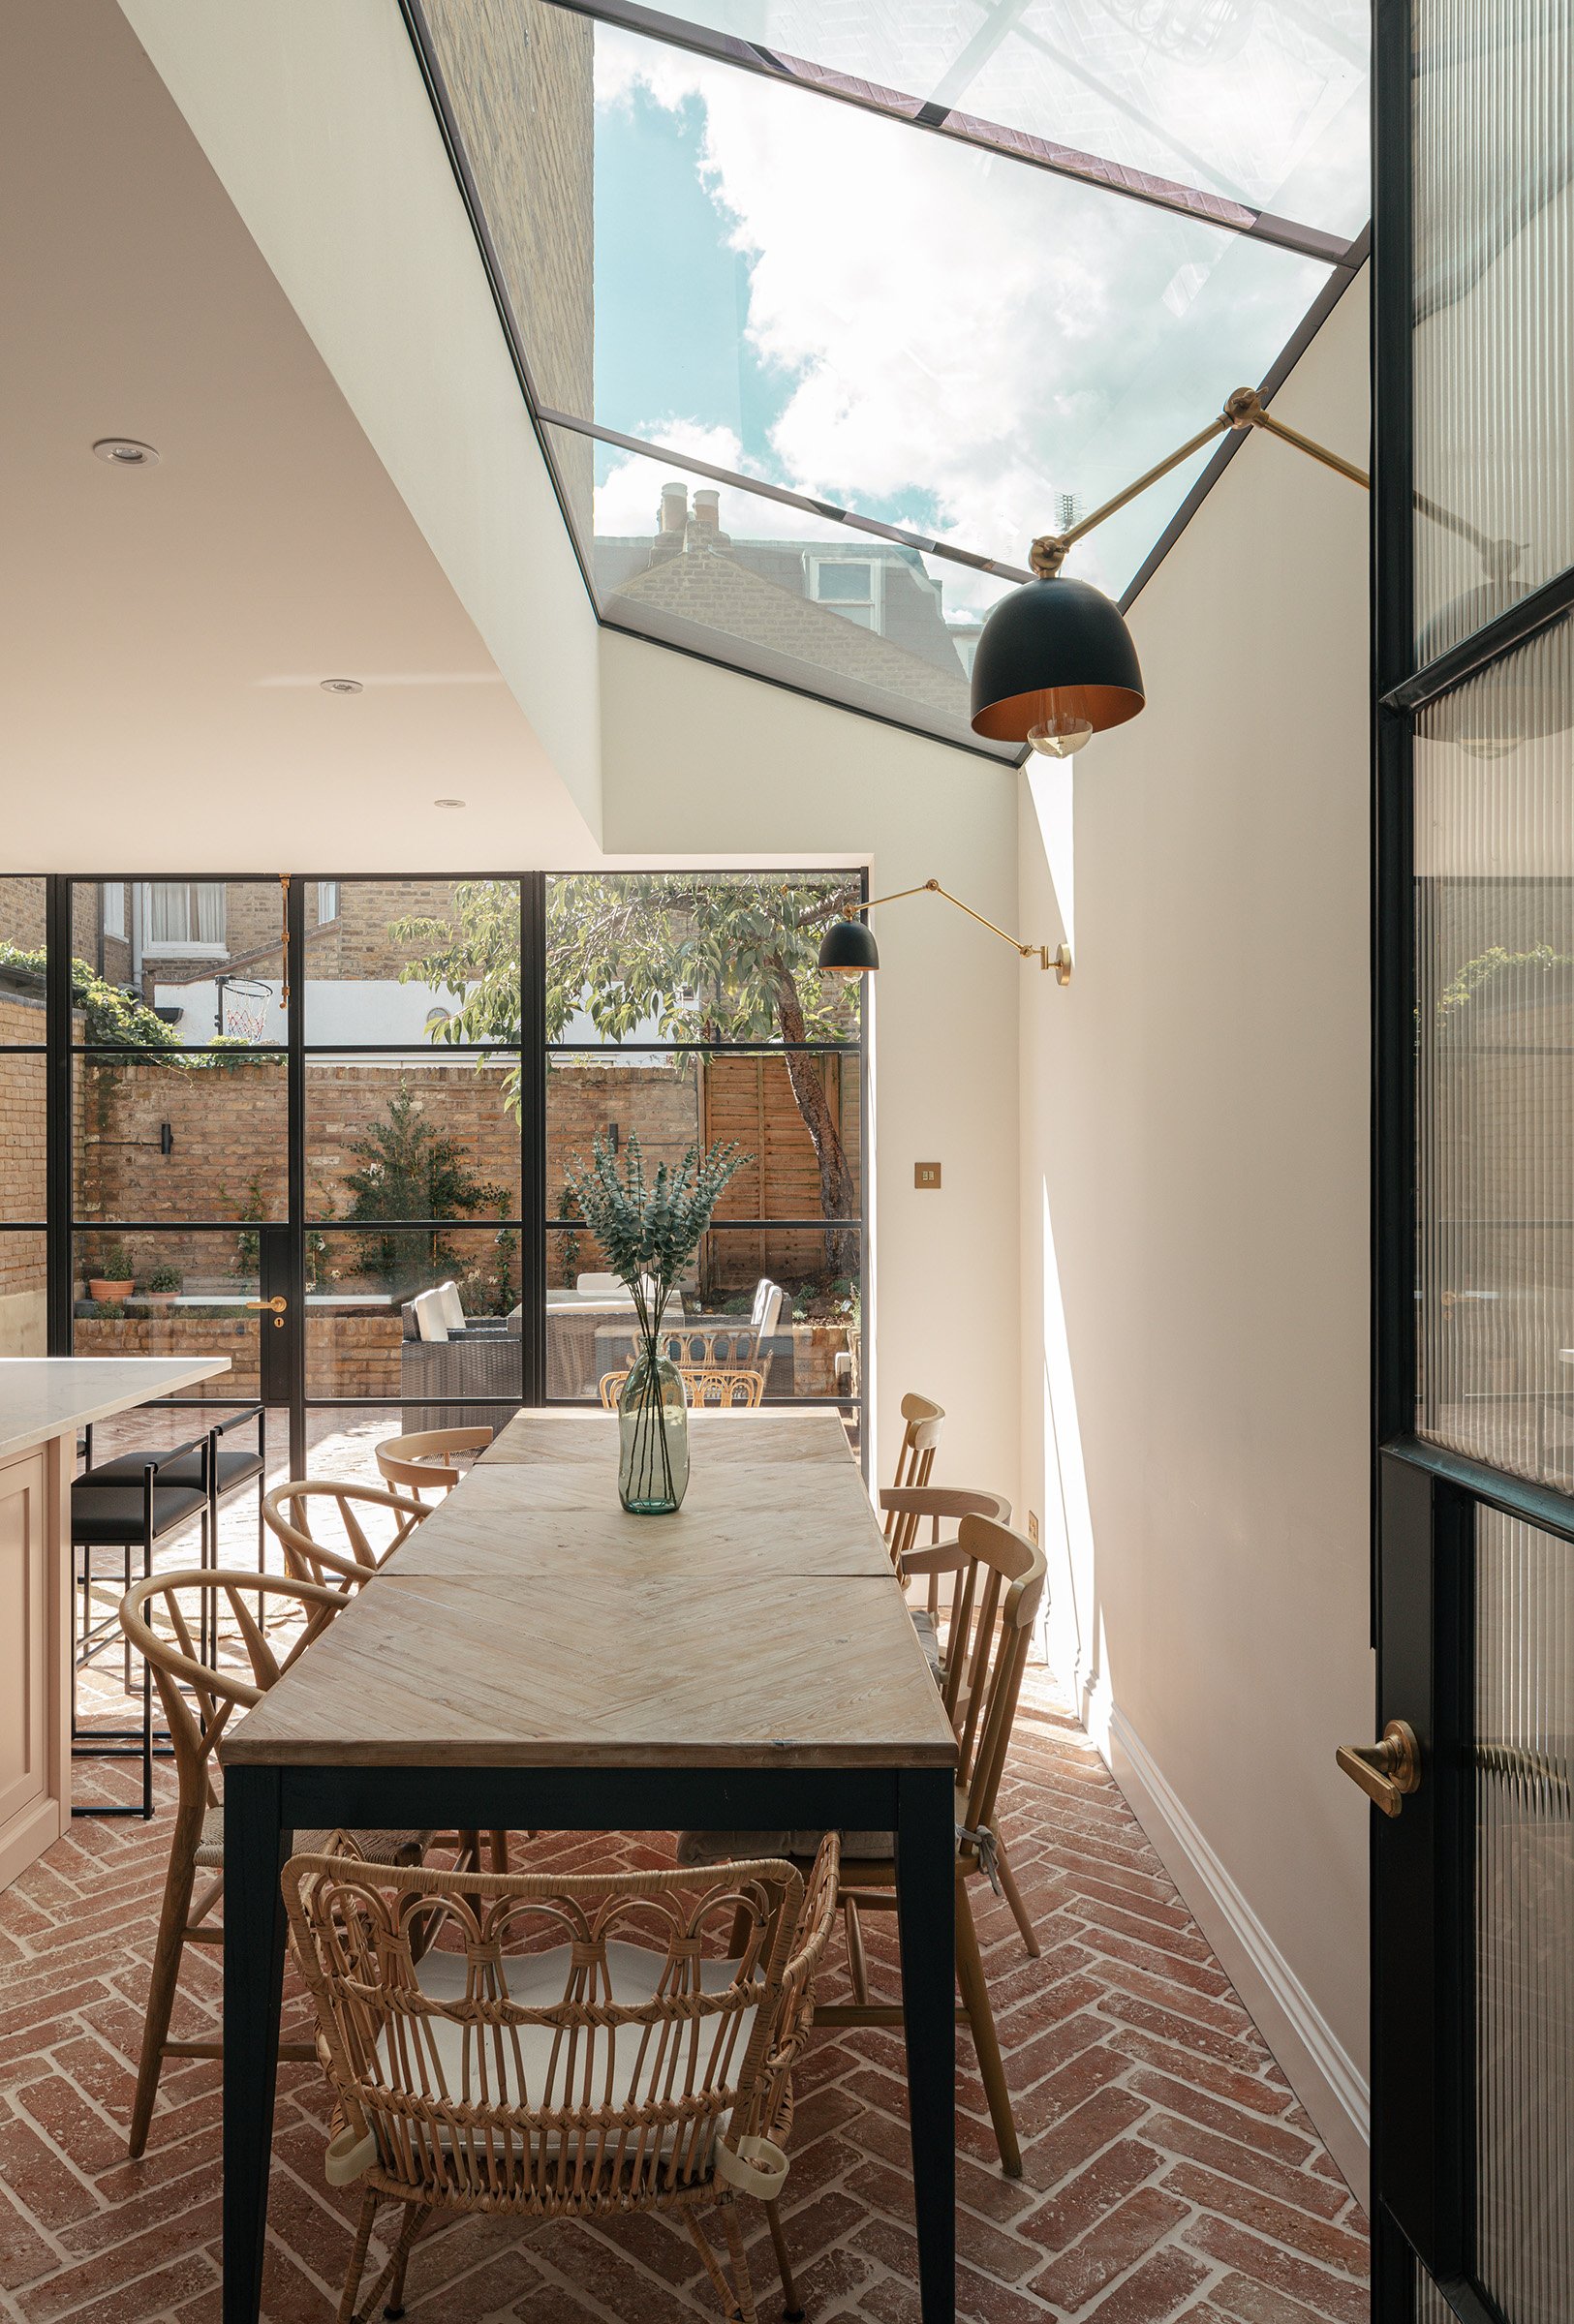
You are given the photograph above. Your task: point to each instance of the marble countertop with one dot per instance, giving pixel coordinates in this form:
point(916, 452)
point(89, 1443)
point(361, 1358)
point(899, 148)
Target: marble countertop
point(45, 1396)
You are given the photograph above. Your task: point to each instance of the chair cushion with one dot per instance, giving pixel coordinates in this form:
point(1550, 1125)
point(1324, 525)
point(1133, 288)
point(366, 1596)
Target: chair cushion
point(377, 1848)
point(230, 1467)
point(110, 1515)
point(609, 2064)
point(924, 1623)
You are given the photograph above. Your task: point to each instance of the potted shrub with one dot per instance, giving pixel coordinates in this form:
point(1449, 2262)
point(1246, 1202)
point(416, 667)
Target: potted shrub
point(164, 1286)
point(116, 1278)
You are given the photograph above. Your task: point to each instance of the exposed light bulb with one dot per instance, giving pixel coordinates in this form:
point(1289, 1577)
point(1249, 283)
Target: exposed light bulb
point(1059, 736)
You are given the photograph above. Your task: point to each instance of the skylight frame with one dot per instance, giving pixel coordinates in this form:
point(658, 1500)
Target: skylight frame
point(1343, 257)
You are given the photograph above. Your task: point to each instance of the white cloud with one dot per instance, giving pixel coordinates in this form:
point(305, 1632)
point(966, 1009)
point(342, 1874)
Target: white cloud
point(954, 332)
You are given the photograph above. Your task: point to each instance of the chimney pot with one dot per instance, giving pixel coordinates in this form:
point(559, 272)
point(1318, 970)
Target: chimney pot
point(674, 507)
point(708, 510)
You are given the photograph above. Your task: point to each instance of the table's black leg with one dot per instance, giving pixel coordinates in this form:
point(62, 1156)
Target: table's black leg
point(253, 1980)
point(926, 1909)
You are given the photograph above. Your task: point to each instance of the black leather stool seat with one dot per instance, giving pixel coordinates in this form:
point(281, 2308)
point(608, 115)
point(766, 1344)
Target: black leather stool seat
point(112, 1516)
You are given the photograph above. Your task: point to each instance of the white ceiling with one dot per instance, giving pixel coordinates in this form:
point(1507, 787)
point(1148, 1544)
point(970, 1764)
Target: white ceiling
point(163, 630)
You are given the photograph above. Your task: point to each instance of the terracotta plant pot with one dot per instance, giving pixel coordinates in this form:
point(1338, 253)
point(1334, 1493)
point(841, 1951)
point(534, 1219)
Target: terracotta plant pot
point(99, 1287)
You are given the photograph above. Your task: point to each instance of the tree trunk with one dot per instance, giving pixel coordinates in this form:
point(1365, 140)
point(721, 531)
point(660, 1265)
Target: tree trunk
point(838, 1187)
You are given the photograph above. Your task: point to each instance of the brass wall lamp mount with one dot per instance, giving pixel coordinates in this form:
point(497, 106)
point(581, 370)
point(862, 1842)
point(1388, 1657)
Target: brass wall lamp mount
point(849, 948)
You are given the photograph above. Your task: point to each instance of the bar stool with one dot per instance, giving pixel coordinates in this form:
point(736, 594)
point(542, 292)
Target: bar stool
point(228, 1467)
point(126, 1517)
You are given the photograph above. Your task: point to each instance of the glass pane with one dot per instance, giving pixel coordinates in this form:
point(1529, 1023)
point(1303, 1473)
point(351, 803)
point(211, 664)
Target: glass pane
point(1495, 329)
point(188, 1298)
point(686, 956)
point(1265, 104)
point(412, 1138)
point(25, 1302)
point(342, 1441)
point(180, 1137)
point(797, 1127)
point(22, 959)
point(411, 961)
point(806, 1342)
point(1430, 2308)
point(651, 1094)
point(178, 962)
point(23, 1086)
point(1495, 994)
point(1524, 1919)
point(366, 1338)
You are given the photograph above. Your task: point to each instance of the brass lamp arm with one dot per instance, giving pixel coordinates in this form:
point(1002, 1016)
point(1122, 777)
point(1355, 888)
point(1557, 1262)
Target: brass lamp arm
point(1060, 960)
point(1243, 409)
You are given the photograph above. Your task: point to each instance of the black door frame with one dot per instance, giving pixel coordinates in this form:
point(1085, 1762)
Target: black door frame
point(283, 1244)
point(1425, 1499)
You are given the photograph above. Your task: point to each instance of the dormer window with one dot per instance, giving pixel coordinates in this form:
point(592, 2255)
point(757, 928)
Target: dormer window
point(849, 586)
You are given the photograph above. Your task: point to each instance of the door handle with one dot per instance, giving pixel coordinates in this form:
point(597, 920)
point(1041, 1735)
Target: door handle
point(1388, 1771)
point(274, 1307)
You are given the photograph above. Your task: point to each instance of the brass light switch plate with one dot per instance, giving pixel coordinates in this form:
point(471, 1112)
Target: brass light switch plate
point(926, 1173)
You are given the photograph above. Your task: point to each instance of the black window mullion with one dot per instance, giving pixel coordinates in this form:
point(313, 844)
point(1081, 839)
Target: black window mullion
point(58, 1260)
point(533, 1133)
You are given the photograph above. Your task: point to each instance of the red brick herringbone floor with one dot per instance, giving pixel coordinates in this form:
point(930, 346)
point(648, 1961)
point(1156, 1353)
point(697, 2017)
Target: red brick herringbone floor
point(1169, 2171)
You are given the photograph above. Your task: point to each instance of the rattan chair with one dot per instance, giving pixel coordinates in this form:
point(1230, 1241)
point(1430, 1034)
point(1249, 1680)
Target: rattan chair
point(566, 2045)
point(425, 1461)
point(198, 1702)
point(1000, 1597)
point(287, 1511)
point(710, 1388)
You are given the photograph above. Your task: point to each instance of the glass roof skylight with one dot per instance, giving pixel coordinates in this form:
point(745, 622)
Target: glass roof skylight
point(719, 278)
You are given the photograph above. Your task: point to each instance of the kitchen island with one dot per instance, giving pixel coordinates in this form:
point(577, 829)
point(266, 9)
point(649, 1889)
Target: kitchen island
point(45, 1401)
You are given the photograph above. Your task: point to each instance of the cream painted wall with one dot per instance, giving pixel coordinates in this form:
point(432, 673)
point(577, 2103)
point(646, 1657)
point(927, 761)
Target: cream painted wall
point(700, 762)
point(1194, 1226)
point(317, 120)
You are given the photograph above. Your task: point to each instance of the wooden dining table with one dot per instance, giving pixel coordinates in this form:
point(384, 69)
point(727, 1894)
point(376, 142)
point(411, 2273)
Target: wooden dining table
point(535, 1658)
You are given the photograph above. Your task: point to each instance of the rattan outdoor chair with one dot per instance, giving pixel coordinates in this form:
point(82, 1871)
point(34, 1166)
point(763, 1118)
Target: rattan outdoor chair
point(1001, 1587)
point(198, 1702)
point(710, 1388)
point(566, 2045)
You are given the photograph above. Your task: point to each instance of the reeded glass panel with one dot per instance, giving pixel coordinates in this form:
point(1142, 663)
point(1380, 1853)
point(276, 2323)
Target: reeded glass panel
point(647, 957)
point(422, 961)
point(1494, 1042)
point(1430, 2308)
point(180, 1137)
point(1494, 125)
point(1265, 104)
point(1524, 1919)
point(412, 1137)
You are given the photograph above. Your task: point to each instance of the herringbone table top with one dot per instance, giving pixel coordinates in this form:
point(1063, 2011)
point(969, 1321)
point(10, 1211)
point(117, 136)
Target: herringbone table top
point(531, 1621)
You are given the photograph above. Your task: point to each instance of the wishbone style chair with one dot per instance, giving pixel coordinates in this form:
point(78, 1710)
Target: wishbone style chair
point(1002, 1596)
point(199, 1700)
point(569, 2045)
point(287, 1512)
point(423, 1463)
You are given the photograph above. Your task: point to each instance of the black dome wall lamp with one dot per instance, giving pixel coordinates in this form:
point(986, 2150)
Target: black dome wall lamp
point(1055, 664)
point(847, 947)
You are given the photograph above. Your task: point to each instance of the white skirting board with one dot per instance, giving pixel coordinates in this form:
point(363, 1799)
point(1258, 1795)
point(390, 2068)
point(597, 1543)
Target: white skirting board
point(1315, 2064)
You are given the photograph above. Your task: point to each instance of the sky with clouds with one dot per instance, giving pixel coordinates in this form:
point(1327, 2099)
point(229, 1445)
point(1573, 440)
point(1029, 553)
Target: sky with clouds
point(920, 332)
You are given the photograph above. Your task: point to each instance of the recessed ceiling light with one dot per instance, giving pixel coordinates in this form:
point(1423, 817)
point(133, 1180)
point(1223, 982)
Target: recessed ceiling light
point(124, 451)
point(340, 686)
point(447, 803)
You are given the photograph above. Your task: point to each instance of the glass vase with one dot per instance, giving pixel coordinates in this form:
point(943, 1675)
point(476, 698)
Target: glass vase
point(653, 1437)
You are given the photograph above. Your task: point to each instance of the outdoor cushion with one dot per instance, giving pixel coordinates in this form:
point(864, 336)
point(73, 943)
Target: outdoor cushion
point(110, 1515)
point(450, 1306)
point(430, 1323)
point(231, 1468)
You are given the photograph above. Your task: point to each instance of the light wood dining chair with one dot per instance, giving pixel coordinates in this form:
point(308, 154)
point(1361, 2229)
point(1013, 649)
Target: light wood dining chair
point(922, 1424)
point(200, 1699)
point(425, 1461)
point(288, 1510)
point(1002, 1596)
point(567, 2045)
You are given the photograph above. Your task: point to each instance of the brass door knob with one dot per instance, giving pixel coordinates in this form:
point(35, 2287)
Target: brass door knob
point(1388, 1771)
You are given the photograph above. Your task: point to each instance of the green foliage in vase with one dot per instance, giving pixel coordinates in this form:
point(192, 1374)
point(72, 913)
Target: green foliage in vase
point(649, 1229)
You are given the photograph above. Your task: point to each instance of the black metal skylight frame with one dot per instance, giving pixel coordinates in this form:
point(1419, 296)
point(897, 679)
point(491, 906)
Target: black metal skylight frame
point(1343, 259)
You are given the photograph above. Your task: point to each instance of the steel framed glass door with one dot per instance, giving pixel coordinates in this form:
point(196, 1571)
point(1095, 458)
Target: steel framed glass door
point(1472, 1936)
